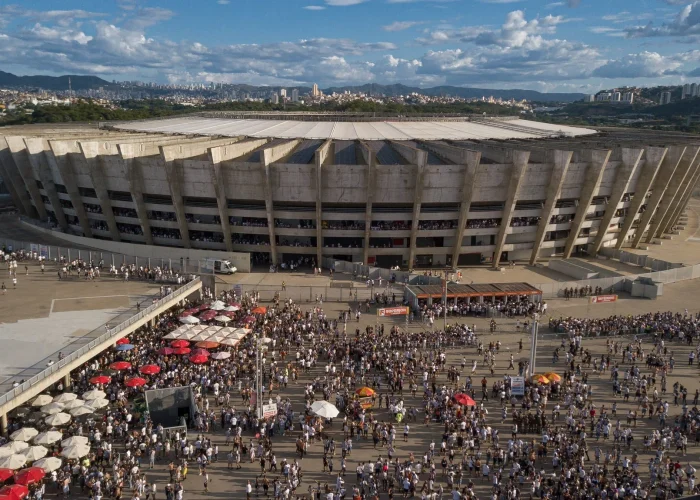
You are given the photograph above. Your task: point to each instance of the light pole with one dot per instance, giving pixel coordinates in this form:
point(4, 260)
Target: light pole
point(533, 345)
point(444, 295)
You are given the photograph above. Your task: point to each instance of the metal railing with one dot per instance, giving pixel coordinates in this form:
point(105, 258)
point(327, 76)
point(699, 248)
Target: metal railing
point(112, 333)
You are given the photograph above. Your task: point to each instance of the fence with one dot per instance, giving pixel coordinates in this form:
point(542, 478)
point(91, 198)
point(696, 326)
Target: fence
point(367, 272)
point(111, 334)
point(308, 294)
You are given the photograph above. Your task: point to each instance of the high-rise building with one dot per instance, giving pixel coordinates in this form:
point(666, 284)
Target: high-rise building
point(665, 98)
point(314, 90)
point(616, 97)
point(283, 93)
point(686, 91)
point(589, 98)
point(628, 97)
point(275, 99)
point(694, 89)
point(295, 95)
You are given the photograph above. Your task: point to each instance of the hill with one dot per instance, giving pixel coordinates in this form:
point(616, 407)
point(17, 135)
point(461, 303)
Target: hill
point(78, 82)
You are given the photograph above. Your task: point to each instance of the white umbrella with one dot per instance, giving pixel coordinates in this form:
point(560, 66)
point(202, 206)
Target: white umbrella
point(200, 336)
point(82, 410)
point(65, 397)
point(74, 440)
point(48, 437)
point(76, 451)
point(221, 355)
point(57, 419)
point(189, 320)
point(76, 403)
point(24, 434)
point(232, 308)
point(93, 394)
point(217, 306)
point(52, 408)
point(223, 319)
point(42, 400)
point(97, 403)
point(34, 453)
point(6, 452)
point(194, 330)
point(172, 335)
point(13, 462)
point(49, 464)
point(216, 338)
point(14, 447)
point(243, 331)
point(324, 409)
point(230, 342)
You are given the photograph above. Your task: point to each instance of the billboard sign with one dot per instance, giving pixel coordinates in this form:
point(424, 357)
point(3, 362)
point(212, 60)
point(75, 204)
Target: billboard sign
point(603, 299)
point(392, 311)
point(517, 386)
point(269, 411)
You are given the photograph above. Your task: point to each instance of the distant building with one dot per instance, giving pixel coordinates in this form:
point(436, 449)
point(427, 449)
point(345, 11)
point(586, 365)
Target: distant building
point(616, 97)
point(695, 90)
point(314, 90)
point(603, 96)
point(275, 99)
point(628, 97)
point(283, 93)
point(665, 98)
point(686, 92)
point(295, 95)
point(589, 98)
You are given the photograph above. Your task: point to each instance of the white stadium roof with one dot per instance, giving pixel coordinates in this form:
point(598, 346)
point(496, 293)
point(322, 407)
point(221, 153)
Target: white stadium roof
point(476, 129)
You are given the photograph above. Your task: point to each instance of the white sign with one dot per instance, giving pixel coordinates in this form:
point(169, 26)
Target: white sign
point(269, 411)
point(517, 386)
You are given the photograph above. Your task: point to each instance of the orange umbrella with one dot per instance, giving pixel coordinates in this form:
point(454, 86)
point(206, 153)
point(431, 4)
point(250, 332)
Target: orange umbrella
point(260, 310)
point(207, 344)
point(365, 392)
point(540, 379)
point(179, 343)
point(553, 377)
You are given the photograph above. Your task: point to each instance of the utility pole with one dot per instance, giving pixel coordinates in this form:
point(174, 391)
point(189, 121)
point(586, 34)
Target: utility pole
point(533, 344)
point(444, 298)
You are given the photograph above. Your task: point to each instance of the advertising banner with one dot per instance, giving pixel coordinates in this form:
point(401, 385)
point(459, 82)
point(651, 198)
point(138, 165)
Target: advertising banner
point(603, 299)
point(517, 386)
point(269, 411)
point(44, 251)
point(392, 311)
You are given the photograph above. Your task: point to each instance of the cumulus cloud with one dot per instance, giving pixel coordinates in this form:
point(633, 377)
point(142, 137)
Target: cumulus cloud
point(686, 23)
point(641, 65)
point(400, 25)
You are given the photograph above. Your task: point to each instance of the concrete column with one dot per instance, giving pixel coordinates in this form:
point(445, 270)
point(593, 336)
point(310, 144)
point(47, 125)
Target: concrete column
point(19, 154)
point(517, 172)
point(3, 424)
point(594, 174)
point(674, 192)
point(175, 175)
point(371, 161)
point(320, 157)
point(92, 155)
point(67, 383)
point(684, 201)
point(560, 166)
point(625, 171)
point(63, 153)
point(653, 159)
point(669, 195)
point(217, 156)
point(668, 167)
point(471, 161)
point(268, 156)
point(132, 166)
point(37, 150)
point(18, 198)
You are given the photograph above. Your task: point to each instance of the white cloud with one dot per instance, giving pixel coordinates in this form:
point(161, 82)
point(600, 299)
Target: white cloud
point(686, 23)
point(641, 65)
point(400, 25)
point(315, 7)
point(223, 2)
point(344, 3)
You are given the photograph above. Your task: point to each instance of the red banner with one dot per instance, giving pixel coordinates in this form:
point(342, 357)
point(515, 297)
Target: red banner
point(392, 311)
point(603, 299)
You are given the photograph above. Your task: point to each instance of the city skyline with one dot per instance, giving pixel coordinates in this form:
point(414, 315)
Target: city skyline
point(552, 46)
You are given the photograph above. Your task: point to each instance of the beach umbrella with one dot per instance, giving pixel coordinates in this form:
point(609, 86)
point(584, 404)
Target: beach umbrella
point(216, 338)
point(540, 379)
point(6, 452)
point(82, 410)
point(49, 464)
point(58, 419)
point(24, 434)
point(249, 319)
point(204, 335)
point(14, 492)
point(48, 437)
point(76, 451)
point(203, 352)
point(223, 319)
point(324, 409)
point(232, 342)
point(217, 306)
point(120, 365)
point(189, 320)
point(13, 447)
point(34, 453)
point(149, 369)
point(76, 403)
point(42, 400)
point(260, 310)
point(198, 359)
point(553, 377)
point(65, 398)
point(101, 379)
point(97, 403)
point(13, 462)
point(125, 347)
point(207, 344)
point(31, 475)
point(135, 382)
point(52, 408)
point(6, 474)
point(464, 399)
point(181, 350)
point(93, 394)
point(123, 340)
point(221, 355)
point(365, 392)
point(180, 343)
point(74, 440)
point(165, 351)
point(232, 308)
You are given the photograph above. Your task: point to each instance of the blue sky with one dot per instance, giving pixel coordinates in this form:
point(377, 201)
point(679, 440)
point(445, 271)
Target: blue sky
point(547, 45)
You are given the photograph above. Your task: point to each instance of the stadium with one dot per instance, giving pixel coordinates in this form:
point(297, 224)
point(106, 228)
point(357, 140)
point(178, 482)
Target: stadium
point(413, 192)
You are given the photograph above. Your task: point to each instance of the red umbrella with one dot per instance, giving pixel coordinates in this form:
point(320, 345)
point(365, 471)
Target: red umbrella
point(198, 359)
point(30, 476)
point(229, 314)
point(120, 365)
point(14, 492)
point(249, 319)
point(135, 382)
point(101, 379)
point(150, 369)
point(166, 351)
point(184, 314)
point(180, 343)
point(123, 341)
point(203, 307)
point(6, 474)
point(260, 310)
point(464, 400)
point(182, 350)
point(208, 315)
point(200, 352)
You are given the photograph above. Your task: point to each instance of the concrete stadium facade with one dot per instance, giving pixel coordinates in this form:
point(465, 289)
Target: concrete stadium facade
point(410, 202)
